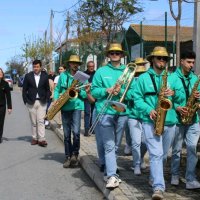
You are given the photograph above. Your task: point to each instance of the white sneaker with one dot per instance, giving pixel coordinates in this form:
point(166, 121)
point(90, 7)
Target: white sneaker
point(192, 185)
point(175, 180)
point(137, 171)
point(105, 178)
point(127, 150)
point(46, 122)
point(112, 182)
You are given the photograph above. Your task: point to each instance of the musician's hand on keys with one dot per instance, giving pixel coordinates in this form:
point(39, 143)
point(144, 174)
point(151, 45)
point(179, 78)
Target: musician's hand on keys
point(197, 95)
point(153, 115)
point(168, 92)
point(182, 110)
point(87, 89)
point(109, 90)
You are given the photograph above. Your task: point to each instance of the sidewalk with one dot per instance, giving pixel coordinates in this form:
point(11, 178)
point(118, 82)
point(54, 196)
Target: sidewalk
point(132, 187)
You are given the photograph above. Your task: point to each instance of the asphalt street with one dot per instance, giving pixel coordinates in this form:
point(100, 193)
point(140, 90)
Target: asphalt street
point(33, 172)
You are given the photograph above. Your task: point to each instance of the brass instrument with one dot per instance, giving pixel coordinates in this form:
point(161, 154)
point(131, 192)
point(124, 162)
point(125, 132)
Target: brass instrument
point(124, 78)
point(192, 106)
point(119, 106)
point(70, 93)
point(163, 106)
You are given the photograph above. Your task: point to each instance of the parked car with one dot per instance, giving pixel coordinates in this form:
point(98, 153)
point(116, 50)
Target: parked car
point(8, 78)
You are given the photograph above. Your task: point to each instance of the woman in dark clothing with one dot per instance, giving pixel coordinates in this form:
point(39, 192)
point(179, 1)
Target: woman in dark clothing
point(5, 97)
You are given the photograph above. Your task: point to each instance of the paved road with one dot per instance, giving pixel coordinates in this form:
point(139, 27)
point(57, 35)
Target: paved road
point(36, 173)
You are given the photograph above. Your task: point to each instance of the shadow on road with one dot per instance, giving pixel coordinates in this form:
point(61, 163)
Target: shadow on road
point(58, 157)
point(22, 138)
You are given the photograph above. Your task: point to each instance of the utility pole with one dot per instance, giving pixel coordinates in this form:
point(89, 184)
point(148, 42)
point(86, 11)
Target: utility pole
point(51, 40)
point(177, 19)
point(67, 28)
point(196, 35)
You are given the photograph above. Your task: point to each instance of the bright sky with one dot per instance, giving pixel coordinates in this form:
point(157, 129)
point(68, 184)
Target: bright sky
point(26, 18)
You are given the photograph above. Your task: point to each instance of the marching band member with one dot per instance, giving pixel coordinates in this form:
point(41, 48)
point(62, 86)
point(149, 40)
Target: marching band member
point(189, 133)
point(113, 123)
point(135, 129)
point(149, 85)
point(71, 112)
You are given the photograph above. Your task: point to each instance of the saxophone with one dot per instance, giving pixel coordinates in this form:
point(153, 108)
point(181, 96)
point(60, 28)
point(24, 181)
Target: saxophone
point(70, 93)
point(163, 106)
point(192, 106)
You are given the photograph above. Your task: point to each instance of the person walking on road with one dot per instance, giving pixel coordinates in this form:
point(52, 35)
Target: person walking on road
point(5, 98)
point(187, 132)
point(36, 94)
point(71, 112)
point(88, 106)
point(151, 85)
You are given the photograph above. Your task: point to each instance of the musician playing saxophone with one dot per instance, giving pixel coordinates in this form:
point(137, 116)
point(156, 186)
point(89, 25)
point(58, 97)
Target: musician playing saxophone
point(150, 85)
point(189, 133)
point(71, 112)
point(112, 124)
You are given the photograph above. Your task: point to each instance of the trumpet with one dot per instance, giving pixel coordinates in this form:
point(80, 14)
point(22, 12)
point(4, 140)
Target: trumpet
point(124, 79)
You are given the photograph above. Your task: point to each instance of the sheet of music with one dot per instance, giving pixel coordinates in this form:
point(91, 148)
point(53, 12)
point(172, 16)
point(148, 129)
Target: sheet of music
point(81, 76)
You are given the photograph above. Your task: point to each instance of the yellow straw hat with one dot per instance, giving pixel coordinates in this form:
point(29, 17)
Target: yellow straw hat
point(141, 64)
point(74, 58)
point(158, 51)
point(114, 47)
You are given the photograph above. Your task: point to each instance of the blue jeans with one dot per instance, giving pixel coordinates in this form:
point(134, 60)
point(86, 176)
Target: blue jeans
point(88, 110)
point(137, 141)
point(190, 135)
point(71, 123)
point(111, 127)
point(99, 140)
point(128, 136)
point(158, 147)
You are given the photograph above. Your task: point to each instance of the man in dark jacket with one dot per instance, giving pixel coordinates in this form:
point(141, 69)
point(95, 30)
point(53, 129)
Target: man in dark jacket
point(36, 93)
point(88, 107)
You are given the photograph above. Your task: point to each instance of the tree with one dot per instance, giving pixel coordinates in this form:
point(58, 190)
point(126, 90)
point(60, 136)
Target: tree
point(99, 21)
point(37, 48)
point(17, 63)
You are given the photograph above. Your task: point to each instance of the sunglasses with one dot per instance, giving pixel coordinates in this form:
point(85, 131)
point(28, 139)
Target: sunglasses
point(161, 58)
point(115, 53)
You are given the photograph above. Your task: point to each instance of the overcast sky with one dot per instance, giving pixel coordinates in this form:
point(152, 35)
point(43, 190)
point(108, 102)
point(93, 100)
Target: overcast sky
point(25, 18)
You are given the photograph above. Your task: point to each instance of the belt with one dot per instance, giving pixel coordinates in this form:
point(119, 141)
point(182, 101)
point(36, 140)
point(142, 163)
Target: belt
point(37, 98)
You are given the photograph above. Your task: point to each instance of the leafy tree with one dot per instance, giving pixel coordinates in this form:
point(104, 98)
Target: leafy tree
point(37, 48)
point(17, 63)
point(100, 22)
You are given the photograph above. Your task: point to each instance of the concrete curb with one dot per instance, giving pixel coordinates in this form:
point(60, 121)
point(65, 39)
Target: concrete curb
point(92, 170)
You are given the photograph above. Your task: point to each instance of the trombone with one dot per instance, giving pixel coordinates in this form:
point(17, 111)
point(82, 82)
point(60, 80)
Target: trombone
point(124, 79)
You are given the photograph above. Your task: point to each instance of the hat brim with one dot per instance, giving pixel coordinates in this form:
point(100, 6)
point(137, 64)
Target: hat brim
point(125, 53)
point(80, 63)
point(149, 57)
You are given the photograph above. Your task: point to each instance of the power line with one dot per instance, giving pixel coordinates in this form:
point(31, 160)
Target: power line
point(64, 11)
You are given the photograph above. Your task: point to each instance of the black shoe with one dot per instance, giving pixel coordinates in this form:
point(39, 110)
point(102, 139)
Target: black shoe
point(1, 140)
point(67, 163)
point(74, 160)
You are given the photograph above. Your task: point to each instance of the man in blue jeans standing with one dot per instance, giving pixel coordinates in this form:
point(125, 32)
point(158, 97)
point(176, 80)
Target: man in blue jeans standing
point(71, 112)
point(88, 106)
point(187, 132)
point(112, 123)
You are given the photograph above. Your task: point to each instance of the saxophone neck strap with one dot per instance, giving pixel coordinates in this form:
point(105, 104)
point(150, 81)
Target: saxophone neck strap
point(186, 87)
point(154, 85)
